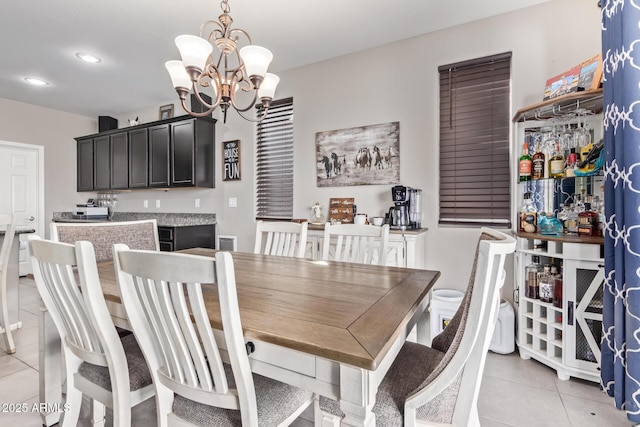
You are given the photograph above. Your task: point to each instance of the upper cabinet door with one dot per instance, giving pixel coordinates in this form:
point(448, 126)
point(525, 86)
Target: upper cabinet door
point(85, 164)
point(159, 156)
point(183, 153)
point(119, 160)
point(138, 159)
point(101, 163)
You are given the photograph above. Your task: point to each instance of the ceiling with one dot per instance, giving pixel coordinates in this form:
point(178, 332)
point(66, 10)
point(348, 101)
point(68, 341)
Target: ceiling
point(135, 37)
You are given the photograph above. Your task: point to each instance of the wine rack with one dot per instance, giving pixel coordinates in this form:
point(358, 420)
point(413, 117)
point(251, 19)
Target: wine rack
point(564, 338)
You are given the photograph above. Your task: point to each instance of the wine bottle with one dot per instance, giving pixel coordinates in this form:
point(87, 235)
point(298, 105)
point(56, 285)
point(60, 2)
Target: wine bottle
point(537, 162)
point(525, 164)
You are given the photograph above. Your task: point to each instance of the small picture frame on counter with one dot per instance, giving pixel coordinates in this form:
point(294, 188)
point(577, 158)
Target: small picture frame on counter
point(166, 112)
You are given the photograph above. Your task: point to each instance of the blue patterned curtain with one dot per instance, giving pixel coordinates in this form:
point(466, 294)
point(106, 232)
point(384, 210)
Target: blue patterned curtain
point(620, 374)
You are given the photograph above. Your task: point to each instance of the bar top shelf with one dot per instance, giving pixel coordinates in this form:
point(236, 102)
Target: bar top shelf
point(591, 100)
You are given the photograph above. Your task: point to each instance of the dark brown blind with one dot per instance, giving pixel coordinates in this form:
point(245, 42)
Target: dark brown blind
point(474, 142)
point(274, 163)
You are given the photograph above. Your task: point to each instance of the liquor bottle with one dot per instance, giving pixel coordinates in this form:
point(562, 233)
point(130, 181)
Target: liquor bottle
point(572, 159)
point(556, 163)
point(524, 166)
point(528, 216)
point(563, 216)
point(545, 284)
point(557, 289)
point(572, 220)
point(537, 163)
point(531, 278)
point(588, 222)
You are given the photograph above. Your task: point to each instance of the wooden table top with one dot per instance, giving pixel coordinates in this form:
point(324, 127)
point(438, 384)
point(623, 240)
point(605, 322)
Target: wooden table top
point(349, 313)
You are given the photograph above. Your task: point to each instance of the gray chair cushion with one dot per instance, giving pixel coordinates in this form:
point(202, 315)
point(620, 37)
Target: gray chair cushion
point(275, 400)
point(414, 363)
point(139, 376)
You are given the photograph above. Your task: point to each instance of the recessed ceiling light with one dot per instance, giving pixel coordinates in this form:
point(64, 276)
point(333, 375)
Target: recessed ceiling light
point(87, 57)
point(36, 81)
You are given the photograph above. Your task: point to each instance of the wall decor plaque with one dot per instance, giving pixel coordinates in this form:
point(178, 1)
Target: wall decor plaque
point(231, 160)
point(361, 155)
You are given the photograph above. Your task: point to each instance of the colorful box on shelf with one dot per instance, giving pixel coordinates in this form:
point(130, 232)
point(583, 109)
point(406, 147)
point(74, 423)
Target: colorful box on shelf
point(584, 76)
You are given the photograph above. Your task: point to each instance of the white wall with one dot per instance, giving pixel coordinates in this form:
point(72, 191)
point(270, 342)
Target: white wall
point(55, 130)
point(396, 82)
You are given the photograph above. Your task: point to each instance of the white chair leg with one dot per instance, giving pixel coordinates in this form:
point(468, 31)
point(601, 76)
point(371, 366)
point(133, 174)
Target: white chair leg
point(73, 402)
point(323, 419)
point(164, 405)
point(8, 336)
point(98, 414)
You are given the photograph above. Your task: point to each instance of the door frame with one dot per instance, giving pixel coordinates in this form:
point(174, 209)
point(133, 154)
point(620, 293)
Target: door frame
point(40, 211)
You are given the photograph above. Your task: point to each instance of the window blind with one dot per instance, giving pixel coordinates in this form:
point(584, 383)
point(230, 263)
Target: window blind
point(274, 162)
point(474, 142)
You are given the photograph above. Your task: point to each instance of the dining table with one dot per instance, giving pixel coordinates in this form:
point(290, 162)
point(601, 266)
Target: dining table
point(330, 327)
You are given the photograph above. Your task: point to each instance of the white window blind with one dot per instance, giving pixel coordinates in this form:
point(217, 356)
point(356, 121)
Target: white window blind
point(274, 162)
point(474, 142)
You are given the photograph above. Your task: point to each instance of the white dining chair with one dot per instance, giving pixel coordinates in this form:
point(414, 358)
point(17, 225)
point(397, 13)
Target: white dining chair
point(141, 234)
point(163, 296)
point(281, 238)
point(364, 244)
point(439, 385)
point(8, 222)
point(110, 370)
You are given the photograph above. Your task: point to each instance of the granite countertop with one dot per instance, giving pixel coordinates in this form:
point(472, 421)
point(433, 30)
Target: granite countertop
point(20, 231)
point(163, 219)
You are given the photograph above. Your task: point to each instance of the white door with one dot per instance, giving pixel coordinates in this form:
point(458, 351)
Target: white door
point(21, 189)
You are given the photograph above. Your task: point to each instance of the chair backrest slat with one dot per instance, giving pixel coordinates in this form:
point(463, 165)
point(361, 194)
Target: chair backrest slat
point(281, 238)
point(8, 222)
point(362, 244)
point(163, 296)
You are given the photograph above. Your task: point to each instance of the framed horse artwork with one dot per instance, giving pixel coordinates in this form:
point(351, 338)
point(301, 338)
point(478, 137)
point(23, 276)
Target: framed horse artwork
point(361, 155)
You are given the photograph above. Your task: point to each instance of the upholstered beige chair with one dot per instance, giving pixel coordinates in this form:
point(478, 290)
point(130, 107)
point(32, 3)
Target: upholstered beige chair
point(364, 244)
point(439, 385)
point(8, 222)
point(141, 234)
point(162, 295)
point(281, 238)
point(99, 363)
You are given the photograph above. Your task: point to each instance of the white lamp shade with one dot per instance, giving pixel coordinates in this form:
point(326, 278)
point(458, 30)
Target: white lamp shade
point(194, 51)
point(268, 86)
point(178, 73)
point(256, 60)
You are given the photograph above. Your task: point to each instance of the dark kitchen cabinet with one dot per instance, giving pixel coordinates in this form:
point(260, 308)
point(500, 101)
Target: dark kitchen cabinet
point(85, 164)
point(119, 156)
point(192, 153)
point(193, 236)
point(176, 152)
point(138, 158)
point(101, 163)
point(159, 156)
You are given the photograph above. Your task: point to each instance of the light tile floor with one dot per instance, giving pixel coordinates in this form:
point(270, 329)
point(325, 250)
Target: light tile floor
point(514, 392)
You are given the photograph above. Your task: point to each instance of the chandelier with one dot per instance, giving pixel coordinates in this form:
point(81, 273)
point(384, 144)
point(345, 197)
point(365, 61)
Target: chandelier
point(237, 77)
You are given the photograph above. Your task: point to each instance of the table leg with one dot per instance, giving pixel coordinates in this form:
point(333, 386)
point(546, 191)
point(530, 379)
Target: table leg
point(357, 396)
point(423, 329)
point(50, 367)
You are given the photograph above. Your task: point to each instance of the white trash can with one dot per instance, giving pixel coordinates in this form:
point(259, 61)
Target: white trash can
point(503, 340)
point(444, 304)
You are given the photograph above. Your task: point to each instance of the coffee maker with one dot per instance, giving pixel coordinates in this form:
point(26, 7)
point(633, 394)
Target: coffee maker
point(407, 210)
